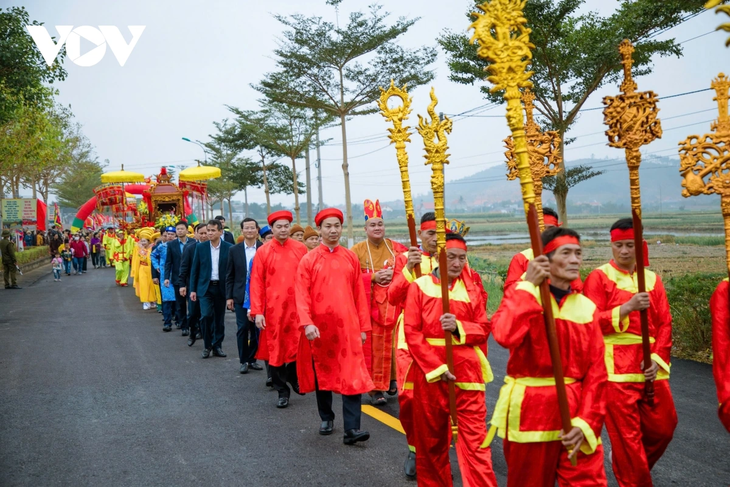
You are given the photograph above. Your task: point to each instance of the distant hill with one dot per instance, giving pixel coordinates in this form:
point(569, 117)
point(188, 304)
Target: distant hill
point(659, 178)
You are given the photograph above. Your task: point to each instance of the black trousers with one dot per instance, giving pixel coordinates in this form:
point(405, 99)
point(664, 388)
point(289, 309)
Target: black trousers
point(351, 409)
point(181, 309)
point(213, 312)
point(193, 315)
point(283, 374)
point(247, 336)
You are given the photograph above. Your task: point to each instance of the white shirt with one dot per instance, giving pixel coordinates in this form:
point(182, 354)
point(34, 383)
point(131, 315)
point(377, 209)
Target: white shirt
point(250, 252)
point(215, 254)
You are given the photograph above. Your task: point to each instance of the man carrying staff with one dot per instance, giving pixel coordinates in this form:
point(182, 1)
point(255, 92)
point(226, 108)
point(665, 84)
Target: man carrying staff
point(273, 304)
point(425, 324)
point(334, 318)
point(719, 307)
point(527, 416)
point(639, 432)
point(377, 257)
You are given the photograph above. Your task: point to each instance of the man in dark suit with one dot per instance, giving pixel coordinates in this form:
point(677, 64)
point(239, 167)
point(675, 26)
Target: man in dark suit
point(239, 259)
point(227, 235)
point(201, 235)
point(175, 250)
point(207, 283)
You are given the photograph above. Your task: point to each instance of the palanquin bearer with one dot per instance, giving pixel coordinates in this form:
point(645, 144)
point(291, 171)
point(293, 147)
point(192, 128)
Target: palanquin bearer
point(273, 304)
point(518, 265)
point(334, 318)
point(639, 432)
point(122, 248)
point(426, 259)
point(424, 326)
point(377, 256)
point(526, 414)
point(719, 307)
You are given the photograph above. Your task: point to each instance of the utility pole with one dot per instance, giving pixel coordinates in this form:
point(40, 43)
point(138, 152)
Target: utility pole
point(309, 187)
point(320, 204)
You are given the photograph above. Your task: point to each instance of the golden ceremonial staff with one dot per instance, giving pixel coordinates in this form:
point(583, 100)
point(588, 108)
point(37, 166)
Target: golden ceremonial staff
point(504, 39)
point(543, 148)
point(399, 135)
point(434, 133)
point(632, 122)
point(708, 157)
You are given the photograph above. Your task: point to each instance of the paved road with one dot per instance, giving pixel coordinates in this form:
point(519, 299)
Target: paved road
point(94, 393)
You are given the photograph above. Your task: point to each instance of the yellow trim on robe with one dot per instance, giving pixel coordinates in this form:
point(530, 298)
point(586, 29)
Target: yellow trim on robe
point(628, 282)
point(576, 307)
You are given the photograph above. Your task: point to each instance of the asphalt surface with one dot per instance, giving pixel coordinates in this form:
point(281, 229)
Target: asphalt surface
point(94, 393)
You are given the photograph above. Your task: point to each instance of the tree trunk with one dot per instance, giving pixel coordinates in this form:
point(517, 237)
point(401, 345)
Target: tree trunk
point(266, 185)
point(309, 188)
point(245, 201)
point(230, 211)
point(346, 173)
point(295, 188)
point(561, 185)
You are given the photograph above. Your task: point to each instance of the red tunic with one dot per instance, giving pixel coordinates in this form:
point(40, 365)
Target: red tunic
point(518, 267)
point(330, 295)
point(721, 349)
point(272, 295)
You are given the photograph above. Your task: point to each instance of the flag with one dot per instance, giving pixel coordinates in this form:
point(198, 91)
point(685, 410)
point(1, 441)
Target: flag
point(57, 217)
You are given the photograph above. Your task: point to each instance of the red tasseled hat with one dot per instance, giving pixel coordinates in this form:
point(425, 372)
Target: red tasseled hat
point(328, 213)
point(280, 215)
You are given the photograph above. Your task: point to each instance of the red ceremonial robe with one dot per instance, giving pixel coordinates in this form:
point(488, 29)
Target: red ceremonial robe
point(272, 295)
point(330, 295)
point(397, 293)
point(518, 268)
point(639, 433)
point(721, 349)
point(527, 414)
point(425, 339)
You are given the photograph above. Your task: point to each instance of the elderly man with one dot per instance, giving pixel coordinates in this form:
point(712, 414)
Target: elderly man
point(201, 235)
point(175, 250)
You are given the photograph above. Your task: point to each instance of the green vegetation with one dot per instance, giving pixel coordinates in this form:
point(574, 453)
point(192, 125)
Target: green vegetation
point(32, 254)
point(689, 298)
point(493, 276)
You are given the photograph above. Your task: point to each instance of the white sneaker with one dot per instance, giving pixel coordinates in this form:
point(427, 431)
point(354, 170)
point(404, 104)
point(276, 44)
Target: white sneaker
point(145, 306)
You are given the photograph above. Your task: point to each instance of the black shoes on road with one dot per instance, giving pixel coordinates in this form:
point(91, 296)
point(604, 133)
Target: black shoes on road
point(353, 436)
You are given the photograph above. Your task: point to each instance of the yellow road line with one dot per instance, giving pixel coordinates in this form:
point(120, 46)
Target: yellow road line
point(383, 417)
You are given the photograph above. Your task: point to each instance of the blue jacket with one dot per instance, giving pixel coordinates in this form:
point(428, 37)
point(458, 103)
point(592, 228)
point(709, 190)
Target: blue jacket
point(200, 271)
point(158, 257)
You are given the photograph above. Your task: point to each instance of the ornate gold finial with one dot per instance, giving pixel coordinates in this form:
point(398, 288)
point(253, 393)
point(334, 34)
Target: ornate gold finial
point(708, 157)
point(399, 134)
point(543, 149)
point(632, 122)
point(504, 39)
point(433, 131)
point(724, 9)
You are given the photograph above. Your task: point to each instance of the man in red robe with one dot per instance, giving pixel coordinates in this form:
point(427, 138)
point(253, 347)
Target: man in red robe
point(527, 415)
point(334, 318)
point(721, 349)
point(639, 432)
point(273, 304)
point(518, 265)
point(403, 275)
point(424, 326)
point(377, 257)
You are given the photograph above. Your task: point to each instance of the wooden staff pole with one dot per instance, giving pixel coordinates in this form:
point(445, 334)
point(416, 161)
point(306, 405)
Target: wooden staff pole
point(503, 38)
point(433, 131)
point(399, 135)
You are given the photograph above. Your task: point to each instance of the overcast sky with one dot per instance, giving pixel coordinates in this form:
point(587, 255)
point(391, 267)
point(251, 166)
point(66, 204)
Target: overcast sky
point(194, 58)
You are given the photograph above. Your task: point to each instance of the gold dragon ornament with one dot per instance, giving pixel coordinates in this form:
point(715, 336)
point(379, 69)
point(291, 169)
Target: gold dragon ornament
point(708, 157)
point(724, 9)
point(543, 149)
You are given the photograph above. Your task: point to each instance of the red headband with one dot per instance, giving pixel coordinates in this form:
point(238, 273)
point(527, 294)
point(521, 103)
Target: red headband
point(455, 243)
point(628, 234)
point(550, 220)
point(430, 225)
point(555, 243)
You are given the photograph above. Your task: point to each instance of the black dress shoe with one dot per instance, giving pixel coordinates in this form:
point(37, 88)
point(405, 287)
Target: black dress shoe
point(198, 336)
point(166, 328)
point(269, 382)
point(15, 287)
point(410, 466)
point(283, 402)
point(255, 366)
point(295, 388)
point(186, 333)
point(178, 325)
point(206, 353)
point(218, 352)
point(244, 368)
point(326, 428)
point(353, 436)
point(191, 341)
